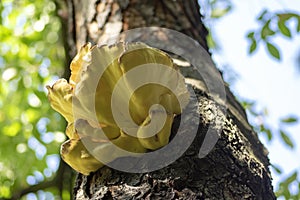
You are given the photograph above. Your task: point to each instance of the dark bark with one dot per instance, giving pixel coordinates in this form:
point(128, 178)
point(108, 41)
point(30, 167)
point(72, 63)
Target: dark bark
point(236, 168)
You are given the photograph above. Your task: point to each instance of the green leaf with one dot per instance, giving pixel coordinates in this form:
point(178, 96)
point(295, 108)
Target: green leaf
point(267, 131)
point(289, 120)
point(220, 12)
point(286, 16)
point(273, 50)
point(276, 168)
point(250, 35)
point(210, 41)
point(284, 29)
point(269, 134)
point(287, 140)
point(291, 178)
point(263, 13)
point(247, 104)
point(253, 46)
point(266, 30)
point(285, 185)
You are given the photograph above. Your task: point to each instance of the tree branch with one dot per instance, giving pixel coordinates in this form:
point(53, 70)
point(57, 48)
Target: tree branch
point(56, 182)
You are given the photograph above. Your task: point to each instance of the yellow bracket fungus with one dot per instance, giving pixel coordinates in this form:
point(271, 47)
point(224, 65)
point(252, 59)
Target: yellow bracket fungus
point(133, 90)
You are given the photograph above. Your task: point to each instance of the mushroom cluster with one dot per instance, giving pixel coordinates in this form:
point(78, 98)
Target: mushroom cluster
point(123, 96)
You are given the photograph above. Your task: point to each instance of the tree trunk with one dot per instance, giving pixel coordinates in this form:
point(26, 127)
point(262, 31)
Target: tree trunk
point(237, 166)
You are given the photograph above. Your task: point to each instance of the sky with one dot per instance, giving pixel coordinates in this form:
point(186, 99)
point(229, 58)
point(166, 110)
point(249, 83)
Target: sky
point(275, 85)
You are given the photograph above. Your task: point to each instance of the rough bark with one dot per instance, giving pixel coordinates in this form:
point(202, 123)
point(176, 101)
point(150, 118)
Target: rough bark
point(236, 168)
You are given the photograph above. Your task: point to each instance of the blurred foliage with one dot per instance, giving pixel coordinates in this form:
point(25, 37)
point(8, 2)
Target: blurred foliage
point(272, 24)
point(260, 123)
point(31, 52)
point(284, 24)
point(289, 186)
point(212, 11)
